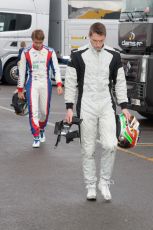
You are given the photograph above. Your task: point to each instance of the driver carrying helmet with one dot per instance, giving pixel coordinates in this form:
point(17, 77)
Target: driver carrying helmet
point(91, 70)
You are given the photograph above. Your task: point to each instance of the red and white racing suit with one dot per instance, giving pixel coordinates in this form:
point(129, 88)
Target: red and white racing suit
point(38, 64)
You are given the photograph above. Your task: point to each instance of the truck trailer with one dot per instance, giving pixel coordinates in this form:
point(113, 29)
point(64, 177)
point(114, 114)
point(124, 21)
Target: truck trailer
point(65, 23)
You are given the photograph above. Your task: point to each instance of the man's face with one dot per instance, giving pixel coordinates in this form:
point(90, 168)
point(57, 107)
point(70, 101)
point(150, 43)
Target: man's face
point(37, 44)
point(97, 41)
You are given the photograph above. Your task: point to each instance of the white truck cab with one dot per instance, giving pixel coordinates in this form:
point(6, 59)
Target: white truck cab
point(17, 21)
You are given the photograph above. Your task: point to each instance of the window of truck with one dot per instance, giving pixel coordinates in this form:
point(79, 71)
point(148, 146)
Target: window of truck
point(14, 22)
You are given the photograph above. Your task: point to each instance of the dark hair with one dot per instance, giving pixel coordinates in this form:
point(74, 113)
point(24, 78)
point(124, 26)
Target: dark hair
point(38, 34)
point(97, 28)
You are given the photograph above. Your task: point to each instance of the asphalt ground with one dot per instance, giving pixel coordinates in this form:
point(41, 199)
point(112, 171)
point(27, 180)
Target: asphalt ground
point(43, 189)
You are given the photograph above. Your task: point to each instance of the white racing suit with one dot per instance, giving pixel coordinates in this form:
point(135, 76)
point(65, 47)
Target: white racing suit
point(92, 73)
point(38, 63)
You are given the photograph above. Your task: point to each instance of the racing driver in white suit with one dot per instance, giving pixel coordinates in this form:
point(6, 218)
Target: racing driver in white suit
point(92, 70)
point(38, 60)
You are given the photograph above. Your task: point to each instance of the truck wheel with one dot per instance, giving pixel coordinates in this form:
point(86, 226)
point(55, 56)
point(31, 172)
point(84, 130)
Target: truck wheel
point(147, 115)
point(11, 73)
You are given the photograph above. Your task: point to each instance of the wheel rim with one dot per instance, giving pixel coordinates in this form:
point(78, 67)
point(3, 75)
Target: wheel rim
point(14, 73)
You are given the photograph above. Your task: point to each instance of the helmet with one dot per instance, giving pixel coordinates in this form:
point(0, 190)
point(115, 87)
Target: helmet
point(127, 131)
point(20, 105)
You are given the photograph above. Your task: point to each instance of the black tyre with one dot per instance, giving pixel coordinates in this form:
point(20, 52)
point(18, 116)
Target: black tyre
point(11, 73)
point(147, 115)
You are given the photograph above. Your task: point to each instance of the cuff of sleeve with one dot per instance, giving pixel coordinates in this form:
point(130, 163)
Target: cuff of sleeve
point(59, 84)
point(20, 90)
point(69, 105)
point(123, 105)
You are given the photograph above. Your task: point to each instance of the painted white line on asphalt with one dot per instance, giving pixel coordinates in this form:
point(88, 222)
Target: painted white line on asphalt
point(5, 98)
point(7, 109)
point(58, 113)
point(11, 110)
point(51, 124)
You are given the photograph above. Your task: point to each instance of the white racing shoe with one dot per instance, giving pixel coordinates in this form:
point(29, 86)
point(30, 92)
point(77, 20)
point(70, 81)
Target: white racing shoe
point(104, 188)
point(91, 194)
point(36, 142)
point(42, 136)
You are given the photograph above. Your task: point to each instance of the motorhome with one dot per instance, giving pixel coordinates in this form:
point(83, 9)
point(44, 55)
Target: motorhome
point(136, 42)
point(65, 23)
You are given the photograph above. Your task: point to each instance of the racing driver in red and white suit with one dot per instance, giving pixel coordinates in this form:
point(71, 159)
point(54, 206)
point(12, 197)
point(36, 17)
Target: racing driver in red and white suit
point(38, 60)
